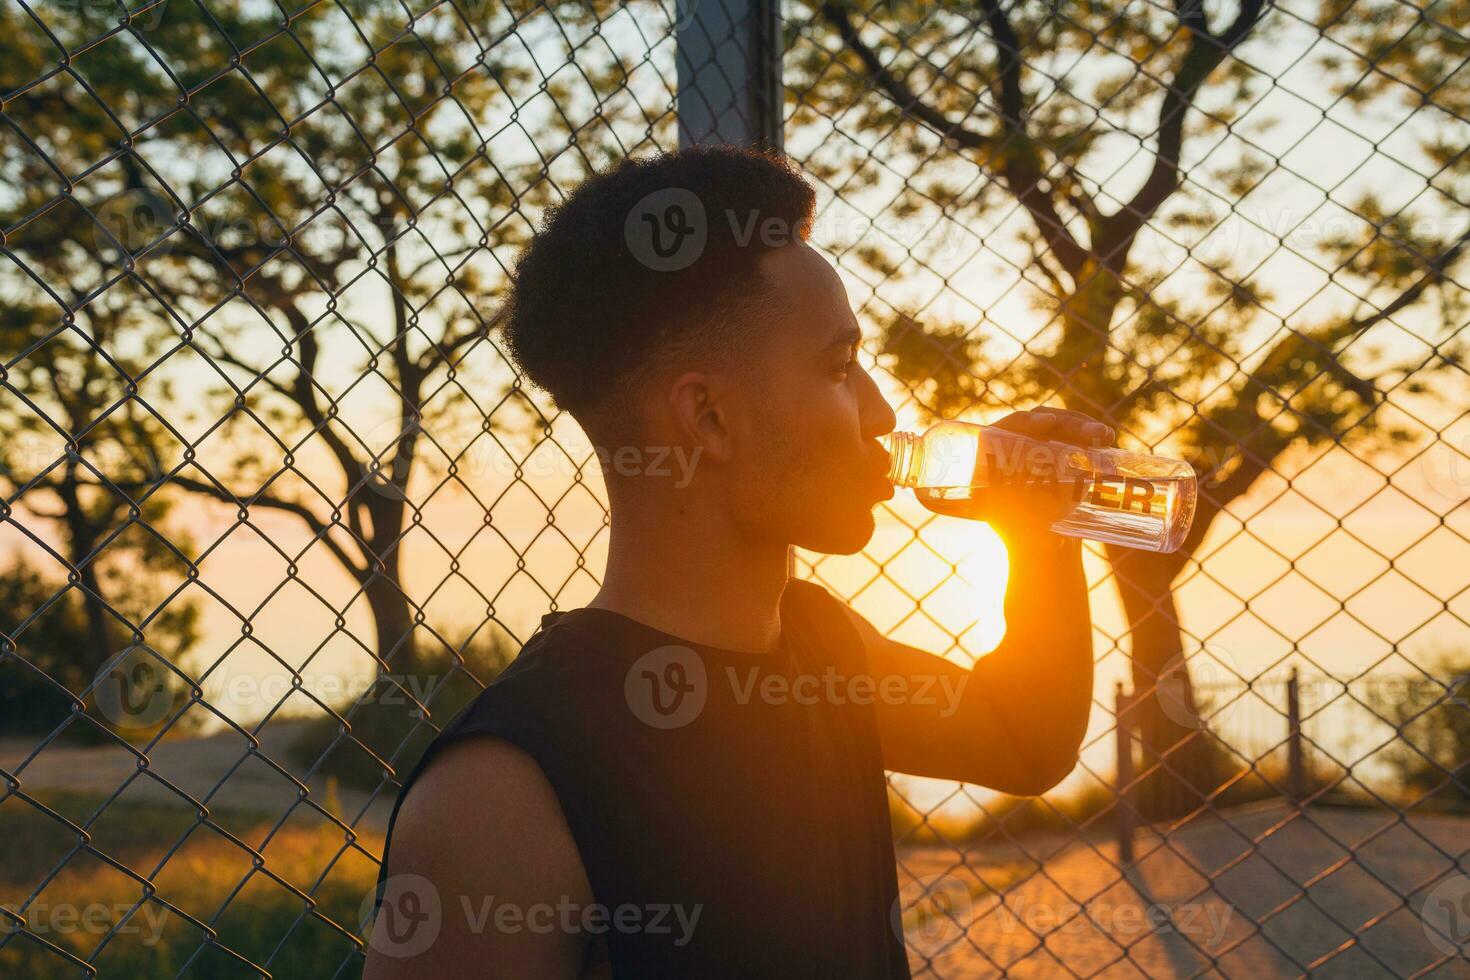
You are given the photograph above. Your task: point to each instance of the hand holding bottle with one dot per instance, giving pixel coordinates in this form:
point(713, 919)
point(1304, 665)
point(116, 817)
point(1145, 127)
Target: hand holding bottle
point(1048, 469)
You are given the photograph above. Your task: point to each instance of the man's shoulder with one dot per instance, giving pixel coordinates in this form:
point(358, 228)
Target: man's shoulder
point(482, 825)
point(837, 627)
point(543, 681)
point(474, 778)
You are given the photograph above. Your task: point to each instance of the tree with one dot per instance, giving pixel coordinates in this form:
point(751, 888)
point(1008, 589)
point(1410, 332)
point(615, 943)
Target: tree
point(975, 109)
point(79, 447)
point(49, 669)
point(315, 214)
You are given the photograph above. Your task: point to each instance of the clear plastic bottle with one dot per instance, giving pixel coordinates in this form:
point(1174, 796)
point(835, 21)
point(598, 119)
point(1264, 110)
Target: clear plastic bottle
point(1112, 495)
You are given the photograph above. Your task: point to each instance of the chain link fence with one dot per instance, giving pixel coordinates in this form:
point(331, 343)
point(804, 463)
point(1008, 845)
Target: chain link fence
point(276, 506)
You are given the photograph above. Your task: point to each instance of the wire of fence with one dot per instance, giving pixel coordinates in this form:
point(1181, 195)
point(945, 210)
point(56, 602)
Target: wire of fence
point(277, 506)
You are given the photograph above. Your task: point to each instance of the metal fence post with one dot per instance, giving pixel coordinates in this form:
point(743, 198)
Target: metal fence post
point(729, 68)
point(728, 58)
point(1123, 808)
point(1295, 766)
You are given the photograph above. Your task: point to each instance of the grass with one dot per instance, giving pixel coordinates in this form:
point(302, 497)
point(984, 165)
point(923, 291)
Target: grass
point(287, 896)
point(285, 899)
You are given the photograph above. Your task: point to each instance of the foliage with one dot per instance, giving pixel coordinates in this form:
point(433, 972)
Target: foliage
point(270, 920)
point(259, 256)
point(389, 723)
point(1105, 168)
point(1431, 753)
point(54, 662)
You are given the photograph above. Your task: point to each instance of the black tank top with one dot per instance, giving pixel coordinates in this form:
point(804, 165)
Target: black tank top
point(730, 785)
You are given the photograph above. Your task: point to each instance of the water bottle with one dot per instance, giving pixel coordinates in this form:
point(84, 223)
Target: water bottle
point(1111, 495)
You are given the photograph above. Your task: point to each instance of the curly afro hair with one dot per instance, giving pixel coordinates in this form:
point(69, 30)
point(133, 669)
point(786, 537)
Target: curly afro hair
point(644, 263)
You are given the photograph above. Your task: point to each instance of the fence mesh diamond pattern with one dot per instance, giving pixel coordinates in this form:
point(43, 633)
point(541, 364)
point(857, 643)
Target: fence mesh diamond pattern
point(276, 506)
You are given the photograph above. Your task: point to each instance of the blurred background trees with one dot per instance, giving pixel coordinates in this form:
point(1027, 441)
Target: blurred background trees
point(1108, 158)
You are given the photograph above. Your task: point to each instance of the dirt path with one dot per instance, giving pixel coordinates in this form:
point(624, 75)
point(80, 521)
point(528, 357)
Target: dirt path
point(1264, 893)
point(221, 771)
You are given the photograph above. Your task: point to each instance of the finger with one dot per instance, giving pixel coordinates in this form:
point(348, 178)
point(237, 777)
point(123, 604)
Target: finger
point(1095, 433)
point(1080, 427)
point(1029, 423)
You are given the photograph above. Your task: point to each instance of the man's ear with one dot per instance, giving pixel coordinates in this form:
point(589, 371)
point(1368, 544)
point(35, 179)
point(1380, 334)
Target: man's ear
point(699, 414)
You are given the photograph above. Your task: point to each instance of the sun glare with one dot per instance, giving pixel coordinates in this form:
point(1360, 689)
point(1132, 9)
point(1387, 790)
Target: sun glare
point(983, 571)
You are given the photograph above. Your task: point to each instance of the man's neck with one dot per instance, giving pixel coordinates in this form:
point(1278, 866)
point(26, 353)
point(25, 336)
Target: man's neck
point(694, 576)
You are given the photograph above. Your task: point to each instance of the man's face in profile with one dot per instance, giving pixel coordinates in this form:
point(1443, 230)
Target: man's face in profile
point(809, 468)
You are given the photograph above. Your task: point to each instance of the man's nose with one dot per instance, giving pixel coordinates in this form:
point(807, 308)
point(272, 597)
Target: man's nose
point(876, 416)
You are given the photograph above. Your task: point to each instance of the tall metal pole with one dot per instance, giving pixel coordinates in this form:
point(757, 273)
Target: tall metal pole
point(1296, 778)
point(730, 91)
point(1123, 815)
point(729, 67)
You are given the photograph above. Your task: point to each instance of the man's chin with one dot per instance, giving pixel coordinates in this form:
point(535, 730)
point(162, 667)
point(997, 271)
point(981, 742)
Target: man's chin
point(847, 538)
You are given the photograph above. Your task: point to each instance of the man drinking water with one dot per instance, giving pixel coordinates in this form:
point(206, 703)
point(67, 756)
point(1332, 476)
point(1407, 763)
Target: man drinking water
point(685, 778)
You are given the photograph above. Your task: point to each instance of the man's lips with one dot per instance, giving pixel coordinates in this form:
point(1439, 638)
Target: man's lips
point(883, 485)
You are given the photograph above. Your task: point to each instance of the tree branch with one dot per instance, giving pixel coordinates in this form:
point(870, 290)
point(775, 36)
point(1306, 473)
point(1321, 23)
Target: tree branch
point(1206, 51)
point(1267, 376)
point(321, 531)
point(1016, 164)
point(305, 396)
point(446, 348)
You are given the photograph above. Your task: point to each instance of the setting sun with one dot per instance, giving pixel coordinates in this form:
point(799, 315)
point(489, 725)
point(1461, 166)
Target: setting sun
point(983, 571)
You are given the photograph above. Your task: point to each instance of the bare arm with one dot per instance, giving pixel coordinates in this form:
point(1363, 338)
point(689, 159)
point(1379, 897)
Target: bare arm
point(1016, 719)
point(482, 840)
